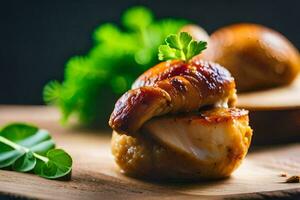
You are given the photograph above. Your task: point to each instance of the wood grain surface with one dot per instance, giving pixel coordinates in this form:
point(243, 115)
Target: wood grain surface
point(95, 175)
point(280, 98)
point(274, 113)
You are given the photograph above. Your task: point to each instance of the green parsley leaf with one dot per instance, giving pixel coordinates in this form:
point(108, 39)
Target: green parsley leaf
point(180, 46)
point(167, 53)
point(137, 18)
point(52, 92)
point(195, 48)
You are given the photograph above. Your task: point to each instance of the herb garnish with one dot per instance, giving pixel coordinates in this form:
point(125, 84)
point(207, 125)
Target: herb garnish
point(180, 46)
point(25, 148)
point(94, 81)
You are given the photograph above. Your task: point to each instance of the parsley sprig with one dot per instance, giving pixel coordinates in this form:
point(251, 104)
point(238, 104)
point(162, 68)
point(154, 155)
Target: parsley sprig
point(180, 46)
point(120, 53)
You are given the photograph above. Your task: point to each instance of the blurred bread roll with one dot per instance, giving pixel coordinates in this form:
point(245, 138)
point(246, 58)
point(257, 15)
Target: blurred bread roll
point(257, 57)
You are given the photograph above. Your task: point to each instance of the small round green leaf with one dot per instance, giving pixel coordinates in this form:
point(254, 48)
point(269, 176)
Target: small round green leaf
point(25, 163)
point(18, 131)
point(58, 166)
point(16, 139)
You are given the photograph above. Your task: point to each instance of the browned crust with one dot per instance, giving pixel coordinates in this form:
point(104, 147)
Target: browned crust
point(211, 116)
point(222, 115)
point(145, 156)
point(171, 87)
point(132, 108)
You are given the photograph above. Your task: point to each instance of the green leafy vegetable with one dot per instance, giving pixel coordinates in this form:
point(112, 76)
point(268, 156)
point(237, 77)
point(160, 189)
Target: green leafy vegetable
point(26, 148)
point(180, 46)
point(120, 54)
point(59, 164)
point(25, 163)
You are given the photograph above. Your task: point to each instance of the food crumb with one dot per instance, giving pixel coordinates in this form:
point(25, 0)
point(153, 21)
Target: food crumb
point(293, 179)
point(283, 174)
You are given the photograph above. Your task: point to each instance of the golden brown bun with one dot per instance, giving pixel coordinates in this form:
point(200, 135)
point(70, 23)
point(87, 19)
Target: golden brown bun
point(256, 56)
point(172, 87)
point(221, 149)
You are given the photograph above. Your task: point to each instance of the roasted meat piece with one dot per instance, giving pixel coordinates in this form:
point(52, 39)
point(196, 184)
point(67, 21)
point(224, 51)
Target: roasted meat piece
point(205, 145)
point(172, 87)
point(179, 122)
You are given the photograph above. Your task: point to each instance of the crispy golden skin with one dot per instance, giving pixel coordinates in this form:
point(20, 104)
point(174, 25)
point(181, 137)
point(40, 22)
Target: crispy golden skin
point(219, 139)
point(172, 87)
point(256, 56)
point(159, 132)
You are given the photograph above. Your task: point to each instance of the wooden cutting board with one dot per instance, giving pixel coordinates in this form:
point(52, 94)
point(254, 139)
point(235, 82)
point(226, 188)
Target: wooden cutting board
point(274, 113)
point(95, 175)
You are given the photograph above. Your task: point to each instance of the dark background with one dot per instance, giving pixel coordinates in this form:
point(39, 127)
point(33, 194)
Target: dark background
point(37, 37)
